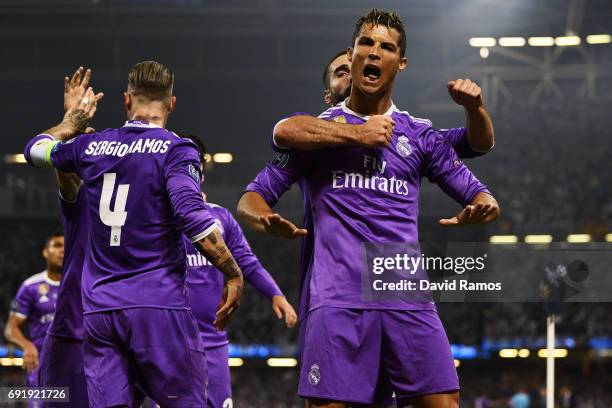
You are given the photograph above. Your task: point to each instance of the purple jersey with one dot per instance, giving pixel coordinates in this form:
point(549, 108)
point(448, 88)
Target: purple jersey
point(457, 137)
point(360, 194)
point(205, 282)
point(35, 301)
point(142, 189)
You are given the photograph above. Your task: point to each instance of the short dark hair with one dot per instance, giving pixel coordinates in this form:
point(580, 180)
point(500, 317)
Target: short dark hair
point(51, 237)
point(195, 139)
point(326, 73)
point(390, 19)
point(151, 80)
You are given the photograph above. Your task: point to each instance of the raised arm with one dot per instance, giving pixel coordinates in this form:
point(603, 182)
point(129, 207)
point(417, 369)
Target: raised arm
point(304, 132)
point(480, 132)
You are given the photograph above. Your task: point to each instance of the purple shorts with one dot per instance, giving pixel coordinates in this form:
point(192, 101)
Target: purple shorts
point(363, 356)
point(32, 381)
point(61, 365)
point(157, 352)
point(219, 383)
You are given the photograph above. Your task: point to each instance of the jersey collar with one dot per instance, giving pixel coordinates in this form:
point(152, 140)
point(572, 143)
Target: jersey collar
point(140, 124)
point(49, 280)
point(346, 109)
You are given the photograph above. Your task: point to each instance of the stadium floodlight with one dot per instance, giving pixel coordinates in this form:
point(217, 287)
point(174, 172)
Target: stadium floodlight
point(484, 53)
point(599, 39)
point(282, 362)
point(14, 158)
point(508, 353)
point(523, 353)
point(479, 42)
point(457, 363)
point(538, 239)
point(223, 157)
point(17, 361)
point(503, 239)
point(608, 237)
point(557, 353)
point(235, 362)
point(541, 41)
point(578, 238)
point(6, 361)
point(567, 41)
point(512, 42)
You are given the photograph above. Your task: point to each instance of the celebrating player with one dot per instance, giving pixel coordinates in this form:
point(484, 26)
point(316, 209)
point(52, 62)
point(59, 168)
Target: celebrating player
point(370, 194)
point(205, 282)
point(35, 303)
point(141, 184)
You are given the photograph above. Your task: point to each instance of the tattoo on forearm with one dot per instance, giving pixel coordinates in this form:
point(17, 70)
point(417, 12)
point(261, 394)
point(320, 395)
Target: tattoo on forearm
point(78, 119)
point(230, 268)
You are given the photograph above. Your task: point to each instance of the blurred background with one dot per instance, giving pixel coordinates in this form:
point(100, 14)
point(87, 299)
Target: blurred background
point(546, 71)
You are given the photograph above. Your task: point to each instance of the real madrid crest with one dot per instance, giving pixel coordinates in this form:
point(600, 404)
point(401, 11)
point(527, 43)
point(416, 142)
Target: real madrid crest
point(403, 146)
point(314, 376)
point(43, 290)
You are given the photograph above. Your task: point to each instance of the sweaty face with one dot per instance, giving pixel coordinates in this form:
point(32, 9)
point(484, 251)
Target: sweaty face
point(376, 59)
point(339, 80)
point(54, 252)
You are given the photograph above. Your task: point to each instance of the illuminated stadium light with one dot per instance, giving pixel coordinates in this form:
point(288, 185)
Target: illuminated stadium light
point(282, 362)
point(17, 361)
point(482, 42)
point(523, 353)
point(538, 239)
point(14, 158)
point(578, 238)
point(603, 353)
point(6, 361)
point(567, 41)
point(599, 39)
point(508, 353)
point(512, 42)
point(457, 363)
point(557, 353)
point(541, 41)
point(608, 237)
point(503, 239)
point(235, 362)
point(484, 53)
point(223, 157)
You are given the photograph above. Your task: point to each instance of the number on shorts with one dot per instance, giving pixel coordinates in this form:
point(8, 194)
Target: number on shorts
point(113, 218)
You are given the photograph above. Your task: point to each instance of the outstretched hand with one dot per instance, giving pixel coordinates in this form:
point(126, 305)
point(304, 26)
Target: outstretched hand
point(275, 224)
point(479, 213)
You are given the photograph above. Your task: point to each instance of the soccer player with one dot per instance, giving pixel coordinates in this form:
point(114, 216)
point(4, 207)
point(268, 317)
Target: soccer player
point(61, 363)
point(35, 303)
point(370, 194)
point(205, 282)
point(141, 184)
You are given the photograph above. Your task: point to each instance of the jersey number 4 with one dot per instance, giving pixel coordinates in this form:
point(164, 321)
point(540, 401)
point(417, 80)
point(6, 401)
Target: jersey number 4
point(113, 218)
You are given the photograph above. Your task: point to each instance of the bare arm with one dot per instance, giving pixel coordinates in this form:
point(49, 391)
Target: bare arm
point(13, 333)
point(68, 184)
point(480, 132)
point(254, 210)
point(309, 133)
point(214, 249)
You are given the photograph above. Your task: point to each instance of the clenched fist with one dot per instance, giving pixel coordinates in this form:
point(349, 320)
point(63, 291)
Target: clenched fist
point(466, 93)
point(376, 132)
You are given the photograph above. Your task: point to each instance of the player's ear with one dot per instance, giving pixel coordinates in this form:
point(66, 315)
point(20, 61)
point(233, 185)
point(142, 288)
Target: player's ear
point(45, 253)
point(403, 64)
point(172, 103)
point(127, 101)
point(327, 96)
point(349, 53)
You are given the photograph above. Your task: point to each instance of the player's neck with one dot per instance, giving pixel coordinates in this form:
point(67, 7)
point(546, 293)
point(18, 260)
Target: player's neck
point(368, 104)
point(54, 273)
point(154, 116)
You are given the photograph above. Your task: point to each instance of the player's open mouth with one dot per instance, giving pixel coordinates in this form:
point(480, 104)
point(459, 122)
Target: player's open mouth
point(371, 72)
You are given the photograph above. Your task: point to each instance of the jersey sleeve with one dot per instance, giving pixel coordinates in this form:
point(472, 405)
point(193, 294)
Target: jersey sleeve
point(273, 144)
point(444, 168)
point(457, 137)
point(182, 179)
point(279, 175)
point(252, 269)
point(22, 304)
